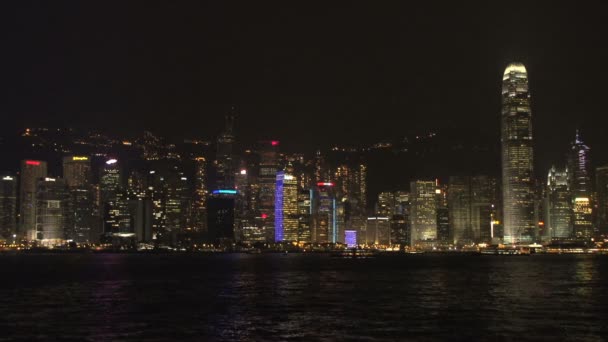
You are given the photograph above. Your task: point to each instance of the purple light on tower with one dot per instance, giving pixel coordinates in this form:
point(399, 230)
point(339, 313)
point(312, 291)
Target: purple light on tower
point(350, 237)
point(278, 207)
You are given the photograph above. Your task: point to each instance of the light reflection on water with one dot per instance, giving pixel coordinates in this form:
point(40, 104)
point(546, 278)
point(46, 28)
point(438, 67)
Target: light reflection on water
point(303, 297)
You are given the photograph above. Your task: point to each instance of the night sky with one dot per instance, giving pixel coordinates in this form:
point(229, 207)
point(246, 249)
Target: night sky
point(311, 75)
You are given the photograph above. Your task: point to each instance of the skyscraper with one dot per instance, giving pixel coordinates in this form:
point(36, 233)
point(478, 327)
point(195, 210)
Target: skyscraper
point(8, 207)
point(269, 164)
point(601, 187)
point(79, 221)
point(77, 171)
point(558, 209)
point(225, 164)
point(199, 211)
point(31, 172)
point(517, 156)
point(579, 167)
point(52, 198)
point(423, 211)
point(286, 207)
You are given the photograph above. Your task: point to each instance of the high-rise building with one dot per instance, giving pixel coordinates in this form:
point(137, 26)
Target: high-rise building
point(199, 212)
point(77, 171)
point(225, 164)
point(579, 168)
point(517, 156)
point(220, 217)
point(378, 231)
point(304, 215)
point(443, 215)
point(459, 203)
point(423, 210)
point(268, 167)
point(325, 222)
point(31, 172)
point(8, 207)
point(386, 204)
point(472, 202)
point(286, 207)
point(52, 198)
point(113, 199)
point(558, 210)
point(140, 212)
point(601, 188)
point(80, 222)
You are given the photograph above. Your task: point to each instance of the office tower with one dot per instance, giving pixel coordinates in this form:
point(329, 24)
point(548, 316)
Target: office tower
point(423, 210)
point(325, 225)
point(136, 185)
point(140, 214)
point(517, 156)
point(52, 198)
point(459, 203)
point(31, 172)
point(443, 215)
point(176, 201)
point(386, 204)
point(378, 231)
point(286, 207)
point(484, 202)
point(80, 212)
point(472, 202)
point(304, 215)
point(399, 230)
point(77, 171)
point(8, 207)
point(579, 168)
point(269, 164)
point(558, 210)
point(220, 216)
point(113, 199)
point(200, 194)
point(110, 180)
point(225, 154)
point(601, 187)
point(400, 220)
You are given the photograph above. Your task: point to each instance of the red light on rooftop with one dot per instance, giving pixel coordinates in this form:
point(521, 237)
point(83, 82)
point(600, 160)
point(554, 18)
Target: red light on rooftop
point(274, 143)
point(264, 216)
point(32, 162)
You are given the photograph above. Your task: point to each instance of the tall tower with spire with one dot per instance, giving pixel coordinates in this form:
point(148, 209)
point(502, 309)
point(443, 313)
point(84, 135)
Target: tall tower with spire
point(517, 156)
point(580, 184)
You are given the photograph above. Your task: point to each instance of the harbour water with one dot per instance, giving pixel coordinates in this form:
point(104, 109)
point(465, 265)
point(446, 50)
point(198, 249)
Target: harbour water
point(302, 297)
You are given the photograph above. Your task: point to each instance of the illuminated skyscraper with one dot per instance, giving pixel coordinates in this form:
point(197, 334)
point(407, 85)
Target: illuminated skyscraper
point(517, 156)
point(304, 215)
point(8, 207)
point(200, 194)
point(77, 171)
point(286, 207)
point(459, 203)
point(558, 205)
point(423, 210)
point(225, 164)
point(114, 202)
point(601, 187)
point(325, 225)
point(269, 164)
point(52, 198)
point(79, 221)
point(579, 167)
point(31, 172)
